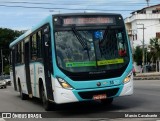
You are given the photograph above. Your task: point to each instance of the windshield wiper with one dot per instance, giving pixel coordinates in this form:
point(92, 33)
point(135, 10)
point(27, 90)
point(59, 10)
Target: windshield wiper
point(102, 42)
point(81, 40)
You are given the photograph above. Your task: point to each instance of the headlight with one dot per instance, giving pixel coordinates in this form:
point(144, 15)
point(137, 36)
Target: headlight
point(4, 82)
point(64, 84)
point(128, 78)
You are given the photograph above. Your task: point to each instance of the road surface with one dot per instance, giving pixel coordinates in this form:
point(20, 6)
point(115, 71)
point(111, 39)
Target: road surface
point(146, 98)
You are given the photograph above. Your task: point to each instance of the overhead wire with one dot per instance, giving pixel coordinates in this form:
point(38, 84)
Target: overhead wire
point(16, 6)
point(98, 4)
point(123, 3)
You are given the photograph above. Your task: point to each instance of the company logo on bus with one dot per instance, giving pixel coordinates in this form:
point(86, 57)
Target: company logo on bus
point(99, 84)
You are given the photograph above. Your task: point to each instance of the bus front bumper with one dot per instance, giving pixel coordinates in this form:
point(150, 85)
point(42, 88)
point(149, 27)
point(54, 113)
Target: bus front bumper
point(62, 95)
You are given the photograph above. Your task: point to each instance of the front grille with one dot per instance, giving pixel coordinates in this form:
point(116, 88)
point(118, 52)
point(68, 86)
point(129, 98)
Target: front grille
point(88, 76)
point(90, 94)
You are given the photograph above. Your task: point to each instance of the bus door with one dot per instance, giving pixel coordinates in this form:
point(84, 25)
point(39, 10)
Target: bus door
point(47, 61)
point(33, 64)
point(27, 69)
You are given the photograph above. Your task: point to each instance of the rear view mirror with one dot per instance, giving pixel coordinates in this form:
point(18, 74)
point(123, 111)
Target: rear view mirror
point(47, 40)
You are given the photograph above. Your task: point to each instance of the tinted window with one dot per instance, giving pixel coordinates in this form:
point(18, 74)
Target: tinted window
point(91, 50)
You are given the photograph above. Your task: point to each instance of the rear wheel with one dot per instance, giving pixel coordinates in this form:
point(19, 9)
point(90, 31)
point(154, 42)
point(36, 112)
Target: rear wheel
point(107, 101)
point(22, 95)
point(46, 103)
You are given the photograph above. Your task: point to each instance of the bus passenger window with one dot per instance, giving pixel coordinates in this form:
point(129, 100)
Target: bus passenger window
point(34, 47)
point(22, 52)
point(39, 44)
point(19, 52)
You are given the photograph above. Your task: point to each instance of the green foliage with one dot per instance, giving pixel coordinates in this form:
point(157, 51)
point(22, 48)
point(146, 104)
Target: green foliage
point(155, 49)
point(138, 55)
point(153, 55)
point(6, 37)
point(6, 69)
point(148, 56)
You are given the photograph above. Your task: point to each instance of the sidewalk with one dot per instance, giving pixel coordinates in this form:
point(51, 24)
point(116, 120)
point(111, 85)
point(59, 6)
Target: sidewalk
point(147, 76)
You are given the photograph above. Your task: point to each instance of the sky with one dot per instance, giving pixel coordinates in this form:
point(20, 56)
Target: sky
point(24, 14)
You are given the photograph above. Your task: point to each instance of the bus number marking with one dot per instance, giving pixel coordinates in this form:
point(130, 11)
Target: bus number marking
point(40, 70)
point(112, 82)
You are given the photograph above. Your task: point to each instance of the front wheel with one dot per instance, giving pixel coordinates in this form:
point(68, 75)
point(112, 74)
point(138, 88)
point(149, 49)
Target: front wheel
point(45, 101)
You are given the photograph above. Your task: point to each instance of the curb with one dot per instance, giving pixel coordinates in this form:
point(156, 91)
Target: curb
point(147, 78)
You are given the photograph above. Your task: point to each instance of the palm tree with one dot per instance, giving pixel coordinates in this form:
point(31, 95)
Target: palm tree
point(147, 2)
point(155, 49)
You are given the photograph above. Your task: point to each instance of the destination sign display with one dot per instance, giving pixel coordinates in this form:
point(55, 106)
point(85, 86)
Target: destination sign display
point(88, 20)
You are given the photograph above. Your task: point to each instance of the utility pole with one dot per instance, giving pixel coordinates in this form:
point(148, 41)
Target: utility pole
point(143, 51)
point(147, 2)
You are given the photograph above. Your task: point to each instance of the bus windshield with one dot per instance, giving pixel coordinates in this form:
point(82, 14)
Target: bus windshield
point(91, 50)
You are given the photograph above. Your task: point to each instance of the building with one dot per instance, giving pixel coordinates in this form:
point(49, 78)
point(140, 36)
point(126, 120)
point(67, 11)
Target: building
point(143, 25)
point(148, 20)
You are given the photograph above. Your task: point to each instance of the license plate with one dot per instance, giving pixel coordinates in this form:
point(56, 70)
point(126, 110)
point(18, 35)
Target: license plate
point(99, 97)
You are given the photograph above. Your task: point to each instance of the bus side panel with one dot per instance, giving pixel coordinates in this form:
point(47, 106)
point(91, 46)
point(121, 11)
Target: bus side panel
point(21, 76)
point(37, 73)
point(32, 75)
point(13, 69)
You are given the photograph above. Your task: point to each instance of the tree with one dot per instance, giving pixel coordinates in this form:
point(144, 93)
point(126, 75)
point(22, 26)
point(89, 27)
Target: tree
point(138, 55)
point(155, 49)
point(6, 69)
point(6, 37)
point(148, 56)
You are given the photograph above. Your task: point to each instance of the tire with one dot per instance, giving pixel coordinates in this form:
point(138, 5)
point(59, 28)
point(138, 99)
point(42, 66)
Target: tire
point(22, 95)
point(107, 101)
point(46, 103)
point(5, 86)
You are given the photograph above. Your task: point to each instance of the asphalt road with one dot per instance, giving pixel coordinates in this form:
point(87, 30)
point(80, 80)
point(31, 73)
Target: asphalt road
point(146, 98)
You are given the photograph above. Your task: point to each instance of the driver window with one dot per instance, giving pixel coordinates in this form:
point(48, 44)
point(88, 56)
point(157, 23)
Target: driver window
point(121, 45)
point(34, 47)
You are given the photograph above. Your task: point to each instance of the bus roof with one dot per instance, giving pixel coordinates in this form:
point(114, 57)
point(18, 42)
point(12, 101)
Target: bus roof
point(49, 18)
point(81, 14)
point(23, 36)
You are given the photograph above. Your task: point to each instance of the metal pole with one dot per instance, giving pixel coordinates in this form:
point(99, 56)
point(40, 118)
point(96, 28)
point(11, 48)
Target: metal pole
point(143, 51)
point(147, 56)
point(143, 47)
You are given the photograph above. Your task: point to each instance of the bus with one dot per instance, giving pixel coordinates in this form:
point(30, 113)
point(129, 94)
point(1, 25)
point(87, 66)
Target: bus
point(73, 57)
